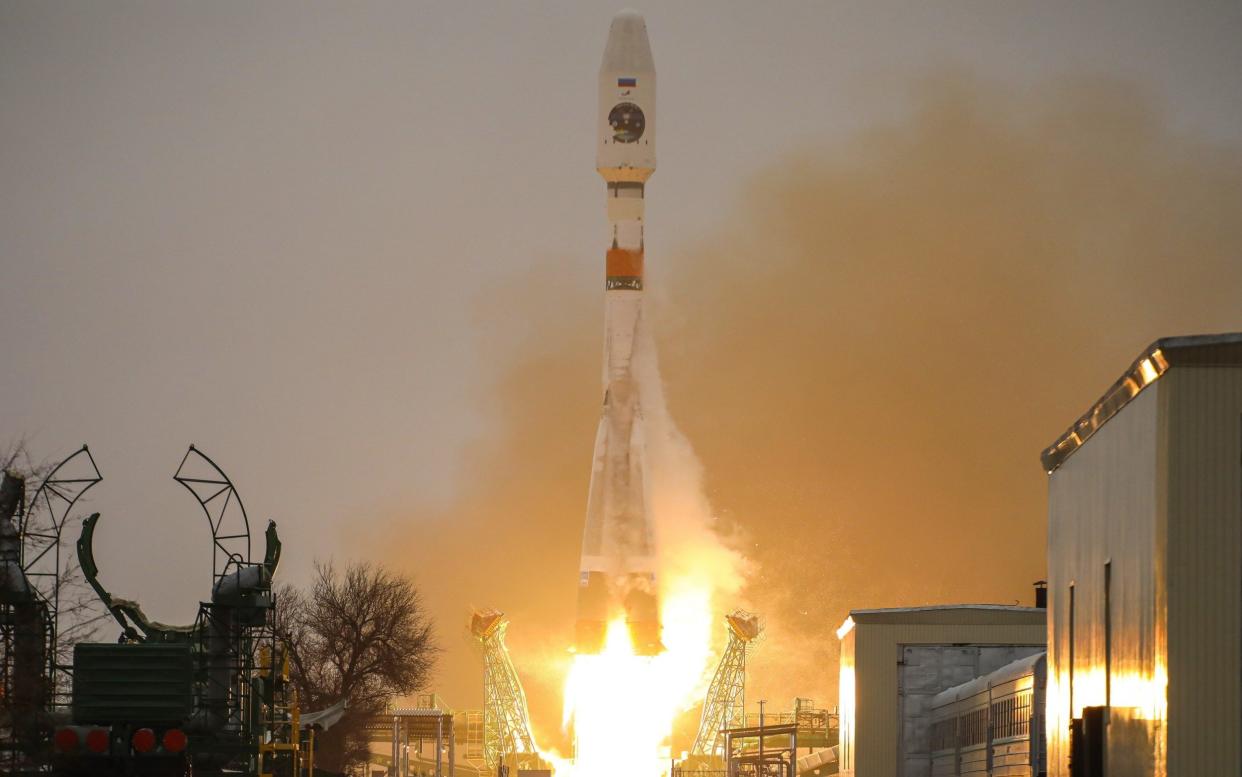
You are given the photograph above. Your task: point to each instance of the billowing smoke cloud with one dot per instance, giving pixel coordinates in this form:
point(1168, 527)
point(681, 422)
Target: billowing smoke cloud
point(691, 544)
point(867, 358)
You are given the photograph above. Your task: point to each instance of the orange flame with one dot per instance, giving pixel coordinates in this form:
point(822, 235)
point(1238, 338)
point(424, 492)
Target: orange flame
point(622, 706)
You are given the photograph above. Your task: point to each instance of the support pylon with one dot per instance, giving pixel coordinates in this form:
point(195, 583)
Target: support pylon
point(506, 720)
point(725, 702)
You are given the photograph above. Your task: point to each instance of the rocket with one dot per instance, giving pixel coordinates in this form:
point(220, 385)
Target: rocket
point(618, 546)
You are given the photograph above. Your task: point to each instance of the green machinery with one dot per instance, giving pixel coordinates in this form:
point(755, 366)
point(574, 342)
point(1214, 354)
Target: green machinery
point(207, 698)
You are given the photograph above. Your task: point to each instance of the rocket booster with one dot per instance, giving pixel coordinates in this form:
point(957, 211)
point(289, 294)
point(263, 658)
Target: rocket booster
point(618, 546)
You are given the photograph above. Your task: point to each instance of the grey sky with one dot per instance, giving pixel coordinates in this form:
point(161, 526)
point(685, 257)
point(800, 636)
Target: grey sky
point(264, 228)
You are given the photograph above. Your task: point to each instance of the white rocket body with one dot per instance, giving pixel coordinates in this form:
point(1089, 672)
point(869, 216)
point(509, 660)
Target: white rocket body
point(618, 545)
point(626, 140)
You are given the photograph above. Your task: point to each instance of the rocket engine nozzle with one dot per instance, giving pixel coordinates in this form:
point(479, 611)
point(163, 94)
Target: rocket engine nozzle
point(639, 605)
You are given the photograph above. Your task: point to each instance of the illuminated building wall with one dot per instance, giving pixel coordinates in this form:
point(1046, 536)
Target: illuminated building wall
point(894, 660)
point(1145, 566)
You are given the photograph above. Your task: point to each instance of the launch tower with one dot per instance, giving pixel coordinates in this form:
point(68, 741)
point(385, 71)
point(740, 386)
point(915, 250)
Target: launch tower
point(506, 721)
point(725, 703)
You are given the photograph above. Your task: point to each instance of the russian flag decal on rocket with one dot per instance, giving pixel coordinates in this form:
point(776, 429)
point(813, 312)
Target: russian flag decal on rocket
point(627, 82)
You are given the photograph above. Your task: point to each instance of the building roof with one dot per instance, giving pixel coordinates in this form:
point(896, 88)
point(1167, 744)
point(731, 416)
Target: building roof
point(1223, 350)
point(416, 712)
point(947, 614)
point(1020, 668)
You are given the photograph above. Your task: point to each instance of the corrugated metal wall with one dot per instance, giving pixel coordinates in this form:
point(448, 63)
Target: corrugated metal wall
point(1204, 407)
point(1156, 494)
point(1103, 510)
point(877, 653)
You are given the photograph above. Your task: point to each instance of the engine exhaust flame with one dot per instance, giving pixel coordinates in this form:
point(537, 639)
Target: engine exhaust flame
point(622, 706)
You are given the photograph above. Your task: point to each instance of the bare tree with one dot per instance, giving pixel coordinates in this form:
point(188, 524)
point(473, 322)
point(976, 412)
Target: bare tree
point(361, 635)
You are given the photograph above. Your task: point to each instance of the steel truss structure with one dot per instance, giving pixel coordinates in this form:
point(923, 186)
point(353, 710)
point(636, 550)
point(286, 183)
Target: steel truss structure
point(41, 530)
point(725, 703)
point(506, 720)
point(236, 687)
point(32, 678)
point(222, 505)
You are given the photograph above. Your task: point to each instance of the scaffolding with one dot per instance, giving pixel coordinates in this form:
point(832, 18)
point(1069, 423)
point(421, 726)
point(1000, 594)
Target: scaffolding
point(33, 677)
point(413, 735)
point(422, 724)
point(752, 751)
point(724, 705)
point(817, 727)
point(506, 720)
point(472, 736)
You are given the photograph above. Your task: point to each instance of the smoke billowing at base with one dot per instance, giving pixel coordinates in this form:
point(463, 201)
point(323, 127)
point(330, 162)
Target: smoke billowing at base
point(867, 357)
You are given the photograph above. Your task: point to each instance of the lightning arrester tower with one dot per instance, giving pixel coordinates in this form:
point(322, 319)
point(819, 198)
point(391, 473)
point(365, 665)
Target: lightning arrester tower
point(725, 702)
point(506, 720)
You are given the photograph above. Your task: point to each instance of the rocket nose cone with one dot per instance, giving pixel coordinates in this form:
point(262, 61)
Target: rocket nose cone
point(628, 47)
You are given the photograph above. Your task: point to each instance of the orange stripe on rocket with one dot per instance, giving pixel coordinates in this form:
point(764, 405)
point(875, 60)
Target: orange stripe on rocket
point(624, 269)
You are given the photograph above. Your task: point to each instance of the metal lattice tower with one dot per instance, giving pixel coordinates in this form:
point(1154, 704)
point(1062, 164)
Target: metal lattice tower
point(40, 527)
point(473, 741)
point(506, 721)
point(725, 702)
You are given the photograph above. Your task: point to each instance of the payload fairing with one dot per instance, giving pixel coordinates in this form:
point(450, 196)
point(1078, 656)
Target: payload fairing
point(618, 545)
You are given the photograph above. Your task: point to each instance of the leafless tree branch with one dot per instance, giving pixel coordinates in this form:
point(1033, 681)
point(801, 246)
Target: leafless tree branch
point(361, 634)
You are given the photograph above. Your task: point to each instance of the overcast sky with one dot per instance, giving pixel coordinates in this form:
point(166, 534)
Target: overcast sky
point(273, 229)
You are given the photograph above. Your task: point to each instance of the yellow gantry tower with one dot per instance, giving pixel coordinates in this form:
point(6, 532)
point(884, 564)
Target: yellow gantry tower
point(506, 720)
point(725, 703)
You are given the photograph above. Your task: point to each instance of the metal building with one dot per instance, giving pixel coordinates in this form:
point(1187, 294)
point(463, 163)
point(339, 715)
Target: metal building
point(893, 661)
point(1145, 570)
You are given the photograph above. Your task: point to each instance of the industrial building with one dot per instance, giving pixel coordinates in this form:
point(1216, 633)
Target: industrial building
point(1145, 570)
point(894, 661)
